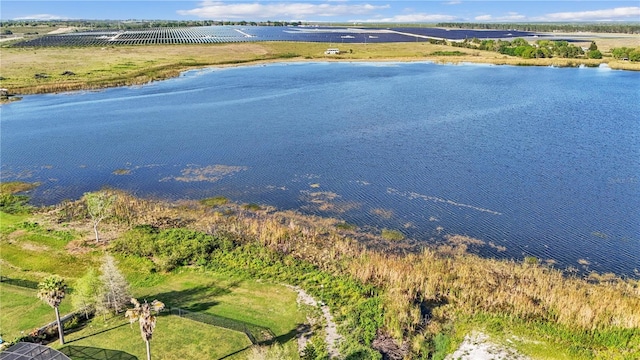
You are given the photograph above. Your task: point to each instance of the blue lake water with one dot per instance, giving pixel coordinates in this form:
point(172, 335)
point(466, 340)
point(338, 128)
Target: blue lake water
point(542, 161)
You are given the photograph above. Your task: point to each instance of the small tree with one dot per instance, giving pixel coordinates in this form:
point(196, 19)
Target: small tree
point(142, 313)
point(52, 290)
point(86, 292)
point(594, 54)
point(99, 206)
point(114, 294)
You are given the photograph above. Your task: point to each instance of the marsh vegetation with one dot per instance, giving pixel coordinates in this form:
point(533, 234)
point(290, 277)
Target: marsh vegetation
point(421, 300)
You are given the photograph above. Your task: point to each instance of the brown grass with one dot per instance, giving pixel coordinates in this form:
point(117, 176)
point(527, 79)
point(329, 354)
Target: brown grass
point(111, 66)
point(449, 277)
point(96, 68)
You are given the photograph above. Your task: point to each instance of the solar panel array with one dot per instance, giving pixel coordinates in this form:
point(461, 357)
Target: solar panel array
point(231, 34)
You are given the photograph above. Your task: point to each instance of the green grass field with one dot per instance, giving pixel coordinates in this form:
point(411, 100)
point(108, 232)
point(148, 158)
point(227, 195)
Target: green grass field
point(250, 301)
point(366, 291)
point(21, 311)
point(31, 251)
point(174, 338)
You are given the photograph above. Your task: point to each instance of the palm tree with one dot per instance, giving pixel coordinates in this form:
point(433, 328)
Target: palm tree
point(52, 290)
point(142, 314)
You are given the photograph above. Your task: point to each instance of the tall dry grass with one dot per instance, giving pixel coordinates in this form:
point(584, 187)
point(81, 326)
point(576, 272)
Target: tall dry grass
point(472, 285)
point(446, 280)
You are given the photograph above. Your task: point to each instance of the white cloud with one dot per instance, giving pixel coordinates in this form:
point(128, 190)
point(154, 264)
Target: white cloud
point(41, 17)
point(221, 10)
point(622, 13)
point(512, 16)
point(411, 18)
point(484, 18)
point(453, 2)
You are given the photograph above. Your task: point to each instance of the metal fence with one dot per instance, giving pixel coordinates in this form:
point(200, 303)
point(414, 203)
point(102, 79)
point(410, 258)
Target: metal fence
point(256, 334)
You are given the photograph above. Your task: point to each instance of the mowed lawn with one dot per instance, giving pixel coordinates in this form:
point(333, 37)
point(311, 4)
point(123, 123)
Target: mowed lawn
point(174, 338)
point(31, 252)
point(21, 311)
point(248, 301)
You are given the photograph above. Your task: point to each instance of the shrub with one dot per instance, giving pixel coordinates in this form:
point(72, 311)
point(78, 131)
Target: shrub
point(392, 235)
point(594, 54)
point(316, 349)
point(214, 201)
point(449, 53)
point(252, 207)
point(14, 204)
point(172, 247)
point(441, 344)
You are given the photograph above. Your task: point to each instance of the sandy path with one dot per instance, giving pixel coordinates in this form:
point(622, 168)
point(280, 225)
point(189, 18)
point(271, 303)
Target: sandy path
point(332, 337)
point(477, 346)
point(62, 30)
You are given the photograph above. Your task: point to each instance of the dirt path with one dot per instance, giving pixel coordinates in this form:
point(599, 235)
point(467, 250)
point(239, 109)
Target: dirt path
point(63, 30)
point(332, 337)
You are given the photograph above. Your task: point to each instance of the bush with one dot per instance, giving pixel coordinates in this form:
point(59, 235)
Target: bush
point(594, 54)
point(14, 204)
point(316, 349)
point(448, 53)
point(170, 248)
point(252, 207)
point(214, 201)
point(11, 201)
point(441, 344)
point(392, 235)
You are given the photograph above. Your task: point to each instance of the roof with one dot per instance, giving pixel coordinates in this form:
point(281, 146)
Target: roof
point(31, 351)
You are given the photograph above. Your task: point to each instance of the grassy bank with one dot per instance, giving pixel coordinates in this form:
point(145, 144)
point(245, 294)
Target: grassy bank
point(422, 303)
point(35, 244)
point(47, 70)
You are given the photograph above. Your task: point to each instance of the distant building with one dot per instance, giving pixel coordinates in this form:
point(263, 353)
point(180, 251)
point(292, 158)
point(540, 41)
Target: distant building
point(332, 51)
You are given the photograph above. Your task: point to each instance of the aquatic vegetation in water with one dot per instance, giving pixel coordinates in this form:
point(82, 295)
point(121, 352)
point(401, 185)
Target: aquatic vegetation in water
point(500, 248)
point(327, 201)
point(383, 213)
point(392, 235)
point(214, 201)
point(122, 172)
point(599, 234)
point(210, 173)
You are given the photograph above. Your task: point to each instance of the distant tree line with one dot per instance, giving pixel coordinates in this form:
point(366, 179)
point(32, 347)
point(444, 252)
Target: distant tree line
point(541, 49)
point(626, 53)
point(139, 24)
point(624, 28)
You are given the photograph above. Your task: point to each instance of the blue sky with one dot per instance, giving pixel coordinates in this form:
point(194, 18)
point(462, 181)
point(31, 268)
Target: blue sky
point(429, 11)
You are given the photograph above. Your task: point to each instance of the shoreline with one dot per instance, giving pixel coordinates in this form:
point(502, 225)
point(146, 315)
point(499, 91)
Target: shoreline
point(416, 296)
point(127, 66)
point(371, 234)
point(452, 61)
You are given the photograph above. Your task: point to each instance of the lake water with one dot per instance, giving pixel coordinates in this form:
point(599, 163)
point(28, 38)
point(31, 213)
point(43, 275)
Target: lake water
point(542, 161)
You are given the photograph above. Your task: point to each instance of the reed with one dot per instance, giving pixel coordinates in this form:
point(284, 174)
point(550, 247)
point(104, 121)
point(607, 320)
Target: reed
point(422, 290)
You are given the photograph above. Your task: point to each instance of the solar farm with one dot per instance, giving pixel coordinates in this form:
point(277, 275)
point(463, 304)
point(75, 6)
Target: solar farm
point(235, 34)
